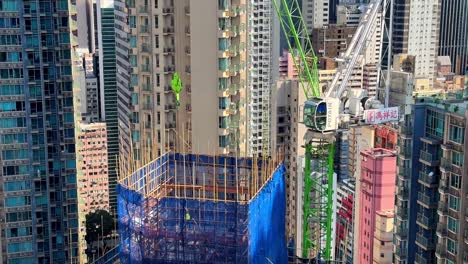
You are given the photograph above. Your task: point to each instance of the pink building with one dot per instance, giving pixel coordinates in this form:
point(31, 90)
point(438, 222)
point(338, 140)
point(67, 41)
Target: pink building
point(287, 69)
point(377, 193)
point(93, 177)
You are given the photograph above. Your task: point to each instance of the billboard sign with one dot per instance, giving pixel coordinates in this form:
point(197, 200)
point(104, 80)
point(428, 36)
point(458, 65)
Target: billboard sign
point(379, 116)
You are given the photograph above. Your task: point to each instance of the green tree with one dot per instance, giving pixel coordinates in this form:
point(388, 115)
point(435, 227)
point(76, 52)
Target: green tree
point(98, 224)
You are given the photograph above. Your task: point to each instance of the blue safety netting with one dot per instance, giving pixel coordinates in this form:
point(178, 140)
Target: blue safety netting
point(189, 230)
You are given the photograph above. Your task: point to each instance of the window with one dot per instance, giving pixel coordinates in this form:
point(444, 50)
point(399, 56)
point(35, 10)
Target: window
point(452, 246)
point(223, 141)
point(434, 124)
point(457, 158)
point(453, 225)
point(223, 122)
point(132, 21)
point(454, 203)
point(19, 247)
point(223, 103)
point(455, 181)
point(134, 60)
point(133, 41)
point(456, 134)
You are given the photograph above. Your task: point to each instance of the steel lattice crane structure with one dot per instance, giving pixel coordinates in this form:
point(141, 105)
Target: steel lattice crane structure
point(325, 113)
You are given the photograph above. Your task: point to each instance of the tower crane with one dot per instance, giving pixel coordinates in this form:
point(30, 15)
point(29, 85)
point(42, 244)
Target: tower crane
point(324, 114)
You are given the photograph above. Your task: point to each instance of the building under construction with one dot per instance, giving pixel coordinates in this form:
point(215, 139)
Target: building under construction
point(185, 208)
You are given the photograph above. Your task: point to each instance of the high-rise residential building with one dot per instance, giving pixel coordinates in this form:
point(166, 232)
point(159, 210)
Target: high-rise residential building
point(348, 14)
point(262, 63)
point(453, 34)
point(401, 9)
point(332, 40)
point(423, 36)
point(93, 185)
point(108, 95)
point(377, 190)
point(315, 13)
point(232, 80)
point(431, 194)
point(92, 174)
point(287, 70)
point(344, 221)
point(383, 237)
point(38, 194)
point(288, 136)
point(416, 32)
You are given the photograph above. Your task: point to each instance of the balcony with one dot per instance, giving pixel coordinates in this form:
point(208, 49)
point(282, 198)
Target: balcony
point(426, 200)
point(170, 107)
point(167, 88)
point(187, 30)
point(168, 30)
point(406, 152)
point(187, 10)
point(441, 251)
point(187, 50)
point(168, 50)
point(428, 159)
point(445, 165)
point(441, 230)
point(403, 193)
point(426, 222)
point(144, 29)
point(442, 208)
point(144, 9)
point(145, 47)
point(169, 69)
point(402, 232)
point(424, 242)
point(401, 252)
point(168, 10)
point(145, 68)
point(188, 88)
point(443, 187)
point(428, 180)
point(402, 213)
point(406, 131)
point(404, 172)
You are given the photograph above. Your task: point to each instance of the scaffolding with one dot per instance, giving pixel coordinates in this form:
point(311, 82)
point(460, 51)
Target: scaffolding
point(187, 208)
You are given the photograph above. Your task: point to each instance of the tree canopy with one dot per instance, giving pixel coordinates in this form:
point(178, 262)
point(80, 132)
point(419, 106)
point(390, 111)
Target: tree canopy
point(93, 225)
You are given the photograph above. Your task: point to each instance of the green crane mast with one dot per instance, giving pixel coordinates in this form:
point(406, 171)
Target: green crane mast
point(319, 151)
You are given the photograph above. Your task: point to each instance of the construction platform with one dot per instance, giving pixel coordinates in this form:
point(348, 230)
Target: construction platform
point(203, 209)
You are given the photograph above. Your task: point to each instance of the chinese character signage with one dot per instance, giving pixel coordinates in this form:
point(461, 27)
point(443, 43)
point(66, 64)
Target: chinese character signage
point(384, 115)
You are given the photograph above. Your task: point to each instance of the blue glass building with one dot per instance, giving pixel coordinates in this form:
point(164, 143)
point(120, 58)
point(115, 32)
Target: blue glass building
point(38, 197)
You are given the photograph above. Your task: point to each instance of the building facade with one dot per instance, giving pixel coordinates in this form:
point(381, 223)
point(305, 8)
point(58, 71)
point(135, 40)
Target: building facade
point(108, 94)
point(453, 34)
point(162, 38)
point(383, 237)
point(93, 183)
point(377, 190)
point(431, 183)
point(344, 221)
point(39, 86)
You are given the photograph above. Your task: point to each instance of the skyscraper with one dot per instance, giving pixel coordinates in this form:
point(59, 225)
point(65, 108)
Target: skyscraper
point(454, 34)
point(431, 187)
point(262, 57)
point(232, 80)
point(108, 86)
point(416, 32)
point(38, 195)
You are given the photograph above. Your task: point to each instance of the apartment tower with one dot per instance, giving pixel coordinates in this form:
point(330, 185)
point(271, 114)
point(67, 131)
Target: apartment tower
point(39, 102)
point(377, 190)
point(431, 194)
point(205, 44)
point(454, 33)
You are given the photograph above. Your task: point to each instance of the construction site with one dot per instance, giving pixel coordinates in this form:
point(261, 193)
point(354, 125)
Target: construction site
point(186, 208)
